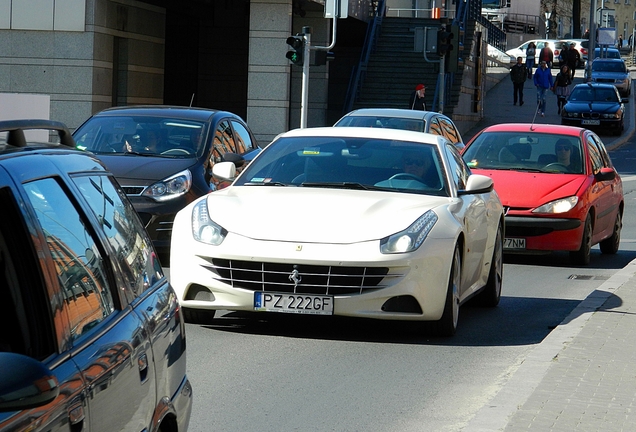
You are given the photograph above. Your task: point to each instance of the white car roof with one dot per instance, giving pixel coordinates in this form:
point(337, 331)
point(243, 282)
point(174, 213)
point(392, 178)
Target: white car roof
point(390, 112)
point(368, 133)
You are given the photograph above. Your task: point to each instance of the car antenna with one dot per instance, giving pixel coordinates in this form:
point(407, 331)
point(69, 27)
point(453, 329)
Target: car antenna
point(191, 100)
point(535, 116)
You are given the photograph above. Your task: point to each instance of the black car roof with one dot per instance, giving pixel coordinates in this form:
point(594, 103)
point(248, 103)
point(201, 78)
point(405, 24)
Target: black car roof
point(182, 112)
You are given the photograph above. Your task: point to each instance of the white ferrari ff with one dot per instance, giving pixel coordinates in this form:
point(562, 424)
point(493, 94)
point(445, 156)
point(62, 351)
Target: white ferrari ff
point(359, 222)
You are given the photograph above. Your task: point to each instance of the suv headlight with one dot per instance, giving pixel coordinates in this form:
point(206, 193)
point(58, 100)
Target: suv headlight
point(172, 187)
point(411, 238)
point(205, 229)
point(558, 206)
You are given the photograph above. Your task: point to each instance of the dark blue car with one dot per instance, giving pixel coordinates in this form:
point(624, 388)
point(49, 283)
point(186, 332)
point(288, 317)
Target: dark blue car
point(595, 106)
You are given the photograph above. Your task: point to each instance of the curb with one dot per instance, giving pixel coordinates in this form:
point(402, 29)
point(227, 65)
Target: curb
point(527, 375)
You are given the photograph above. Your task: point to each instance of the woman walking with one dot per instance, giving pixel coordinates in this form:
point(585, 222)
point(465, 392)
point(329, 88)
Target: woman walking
point(562, 87)
point(531, 52)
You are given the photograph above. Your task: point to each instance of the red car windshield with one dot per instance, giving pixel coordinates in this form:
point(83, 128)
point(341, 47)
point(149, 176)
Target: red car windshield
point(525, 151)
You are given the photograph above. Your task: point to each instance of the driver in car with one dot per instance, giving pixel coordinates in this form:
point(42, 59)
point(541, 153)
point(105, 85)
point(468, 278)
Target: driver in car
point(420, 164)
point(563, 151)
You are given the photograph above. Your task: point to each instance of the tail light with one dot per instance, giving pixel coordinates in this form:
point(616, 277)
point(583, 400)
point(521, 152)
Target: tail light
point(583, 51)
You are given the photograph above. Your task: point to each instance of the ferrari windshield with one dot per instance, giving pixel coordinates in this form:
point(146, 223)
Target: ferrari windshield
point(352, 163)
point(525, 151)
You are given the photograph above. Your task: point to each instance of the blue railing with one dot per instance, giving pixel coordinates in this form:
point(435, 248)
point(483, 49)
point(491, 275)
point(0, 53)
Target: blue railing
point(358, 72)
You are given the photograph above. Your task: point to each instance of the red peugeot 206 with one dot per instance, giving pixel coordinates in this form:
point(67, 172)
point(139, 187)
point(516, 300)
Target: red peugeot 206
point(557, 184)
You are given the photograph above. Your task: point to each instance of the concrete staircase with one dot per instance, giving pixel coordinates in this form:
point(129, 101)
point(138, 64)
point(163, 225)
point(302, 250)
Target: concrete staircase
point(395, 68)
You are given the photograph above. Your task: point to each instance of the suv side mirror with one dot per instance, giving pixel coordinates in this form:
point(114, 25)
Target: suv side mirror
point(26, 383)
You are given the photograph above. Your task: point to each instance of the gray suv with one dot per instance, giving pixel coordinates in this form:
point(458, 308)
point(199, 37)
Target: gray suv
point(92, 338)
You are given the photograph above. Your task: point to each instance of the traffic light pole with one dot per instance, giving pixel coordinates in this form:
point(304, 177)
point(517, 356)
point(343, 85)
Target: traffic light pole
point(304, 96)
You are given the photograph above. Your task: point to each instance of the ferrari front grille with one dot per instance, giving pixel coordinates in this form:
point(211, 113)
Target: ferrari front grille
point(301, 278)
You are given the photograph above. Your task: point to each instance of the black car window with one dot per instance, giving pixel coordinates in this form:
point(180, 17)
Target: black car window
point(24, 316)
point(602, 150)
point(243, 141)
point(124, 231)
point(223, 140)
point(86, 296)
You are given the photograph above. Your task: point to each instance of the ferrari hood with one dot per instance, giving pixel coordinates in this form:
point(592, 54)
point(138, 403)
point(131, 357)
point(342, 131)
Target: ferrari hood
point(142, 169)
point(538, 188)
point(316, 215)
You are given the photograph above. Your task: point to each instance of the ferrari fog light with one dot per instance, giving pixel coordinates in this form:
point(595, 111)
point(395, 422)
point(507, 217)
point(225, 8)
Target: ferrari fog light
point(411, 238)
point(205, 229)
point(558, 206)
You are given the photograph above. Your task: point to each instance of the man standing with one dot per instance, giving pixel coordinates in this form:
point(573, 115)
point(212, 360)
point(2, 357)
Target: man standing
point(572, 59)
point(518, 75)
point(543, 81)
point(417, 102)
point(547, 55)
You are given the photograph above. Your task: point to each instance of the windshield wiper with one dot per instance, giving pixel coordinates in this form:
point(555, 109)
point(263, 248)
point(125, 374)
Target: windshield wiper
point(339, 185)
point(264, 184)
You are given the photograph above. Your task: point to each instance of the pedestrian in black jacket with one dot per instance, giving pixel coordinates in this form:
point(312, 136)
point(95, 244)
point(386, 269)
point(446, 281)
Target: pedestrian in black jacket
point(518, 75)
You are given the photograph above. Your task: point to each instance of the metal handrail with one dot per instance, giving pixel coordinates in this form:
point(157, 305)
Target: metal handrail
point(357, 74)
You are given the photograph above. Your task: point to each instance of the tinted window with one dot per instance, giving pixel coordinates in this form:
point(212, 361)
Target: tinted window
point(434, 127)
point(123, 230)
point(243, 139)
point(86, 296)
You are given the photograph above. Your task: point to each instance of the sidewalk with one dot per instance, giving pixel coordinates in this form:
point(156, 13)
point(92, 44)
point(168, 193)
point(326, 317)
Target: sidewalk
point(582, 376)
point(498, 108)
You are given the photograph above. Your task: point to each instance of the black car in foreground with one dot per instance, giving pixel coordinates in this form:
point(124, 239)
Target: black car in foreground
point(93, 338)
point(163, 156)
point(595, 106)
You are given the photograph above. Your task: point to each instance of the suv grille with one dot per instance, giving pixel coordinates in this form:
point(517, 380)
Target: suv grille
point(311, 279)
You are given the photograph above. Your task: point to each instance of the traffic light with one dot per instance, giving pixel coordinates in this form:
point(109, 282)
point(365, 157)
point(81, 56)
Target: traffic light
point(444, 41)
point(452, 56)
point(296, 55)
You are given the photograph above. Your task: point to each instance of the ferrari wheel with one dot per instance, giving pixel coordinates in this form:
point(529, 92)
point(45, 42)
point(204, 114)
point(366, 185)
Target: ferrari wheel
point(492, 291)
point(447, 325)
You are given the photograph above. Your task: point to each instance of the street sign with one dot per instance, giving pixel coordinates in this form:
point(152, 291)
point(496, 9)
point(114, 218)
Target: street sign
point(336, 8)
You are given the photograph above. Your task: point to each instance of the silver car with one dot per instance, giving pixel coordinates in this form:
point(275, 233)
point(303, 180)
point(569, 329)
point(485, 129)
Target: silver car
point(612, 71)
point(405, 119)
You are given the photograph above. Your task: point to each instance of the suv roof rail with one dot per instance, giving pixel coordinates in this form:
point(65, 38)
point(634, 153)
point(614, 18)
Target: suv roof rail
point(16, 130)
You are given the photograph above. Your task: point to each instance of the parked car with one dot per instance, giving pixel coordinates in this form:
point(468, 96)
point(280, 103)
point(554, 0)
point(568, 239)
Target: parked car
point(595, 106)
point(612, 71)
point(163, 156)
point(93, 336)
point(354, 228)
point(520, 51)
point(581, 46)
point(557, 184)
point(607, 52)
point(405, 119)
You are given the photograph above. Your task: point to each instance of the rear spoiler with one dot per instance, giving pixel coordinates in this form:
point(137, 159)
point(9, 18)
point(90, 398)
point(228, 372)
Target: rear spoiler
point(16, 130)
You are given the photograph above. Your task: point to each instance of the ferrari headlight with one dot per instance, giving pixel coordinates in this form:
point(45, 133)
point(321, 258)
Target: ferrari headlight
point(171, 187)
point(411, 238)
point(558, 206)
point(205, 229)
